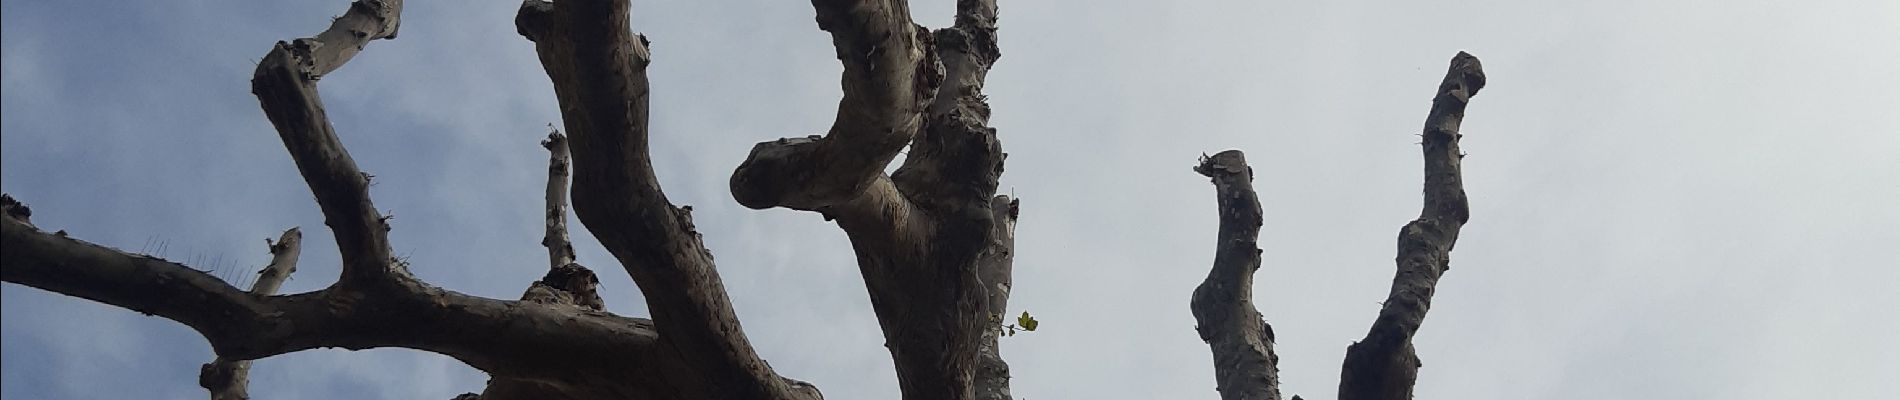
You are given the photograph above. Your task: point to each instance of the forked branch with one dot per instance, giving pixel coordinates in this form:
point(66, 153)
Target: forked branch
point(285, 84)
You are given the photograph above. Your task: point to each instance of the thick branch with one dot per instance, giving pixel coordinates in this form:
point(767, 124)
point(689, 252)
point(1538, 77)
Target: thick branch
point(918, 235)
point(1245, 366)
point(995, 268)
point(229, 379)
point(285, 85)
point(516, 336)
point(598, 68)
point(1384, 366)
point(957, 160)
point(890, 75)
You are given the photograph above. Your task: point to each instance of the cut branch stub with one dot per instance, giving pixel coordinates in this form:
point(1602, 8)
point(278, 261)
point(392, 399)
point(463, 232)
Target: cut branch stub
point(230, 379)
point(957, 160)
point(1384, 366)
point(560, 248)
point(1245, 366)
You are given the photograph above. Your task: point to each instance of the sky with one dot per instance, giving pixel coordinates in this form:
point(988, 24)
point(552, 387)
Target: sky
point(1670, 199)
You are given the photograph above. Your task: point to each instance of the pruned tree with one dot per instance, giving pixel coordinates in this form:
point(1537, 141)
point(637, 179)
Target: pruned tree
point(1383, 365)
point(933, 241)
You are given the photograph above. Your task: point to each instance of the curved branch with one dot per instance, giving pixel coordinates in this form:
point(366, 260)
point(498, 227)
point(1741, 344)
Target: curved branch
point(285, 85)
point(891, 72)
point(995, 267)
point(1245, 366)
point(956, 160)
point(229, 379)
point(598, 68)
point(1384, 365)
point(560, 249)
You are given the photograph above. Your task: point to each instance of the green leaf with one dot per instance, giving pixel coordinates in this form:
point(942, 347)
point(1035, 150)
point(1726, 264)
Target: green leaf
point(1027, 322)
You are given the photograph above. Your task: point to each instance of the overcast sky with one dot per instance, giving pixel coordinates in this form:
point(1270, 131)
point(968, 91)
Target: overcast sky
point(1670, 200)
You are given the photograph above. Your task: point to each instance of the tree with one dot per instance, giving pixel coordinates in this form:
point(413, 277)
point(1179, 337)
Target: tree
point(933, 240)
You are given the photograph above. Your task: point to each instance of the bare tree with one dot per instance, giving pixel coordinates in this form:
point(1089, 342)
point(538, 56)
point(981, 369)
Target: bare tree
point(1383, 366)
point(933, 240)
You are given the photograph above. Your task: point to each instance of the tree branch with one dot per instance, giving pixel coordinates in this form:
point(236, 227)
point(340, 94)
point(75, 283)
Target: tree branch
point(560, 249)
point(1245, 366)
point(285, 85)
point(917, 235)
point(598, 68)
point(230, 379)
point(995, 268)
point(891, 72)
point(1384, 366)
point(957, 160)
point(517, 337)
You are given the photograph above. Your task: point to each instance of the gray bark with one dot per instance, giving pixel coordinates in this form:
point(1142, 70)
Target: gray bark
point(230, 379)
point(996, 267)
point(1245, 367)
point(560, 248)
point(1384, 365)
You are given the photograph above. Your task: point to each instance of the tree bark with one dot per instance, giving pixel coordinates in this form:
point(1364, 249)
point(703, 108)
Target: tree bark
point(598, 68)
point(1384, 365)
point(560, 248)
point(1245, 367)
point(919, 233)
point(996, 267)
point(933, 242)
point(230, 379)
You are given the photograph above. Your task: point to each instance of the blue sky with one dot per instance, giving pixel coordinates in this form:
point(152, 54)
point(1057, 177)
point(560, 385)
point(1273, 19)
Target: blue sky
point(1686, 199)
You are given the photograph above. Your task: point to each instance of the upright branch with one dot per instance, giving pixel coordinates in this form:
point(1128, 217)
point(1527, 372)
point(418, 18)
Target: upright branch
point(995, 267)
point(598, 68)
point(1384, 366)
point(1245, 367)
point(957, 158)
point(286, 85)
point(230, 379)
point(560, 249)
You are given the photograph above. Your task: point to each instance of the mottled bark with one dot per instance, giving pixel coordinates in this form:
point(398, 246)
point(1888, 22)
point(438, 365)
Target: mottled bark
point(230, 379)
point(996, 267)
point(560, 248)
point(1245, 367)
point(286, 86)
point(918, 234)
point(1384, 365)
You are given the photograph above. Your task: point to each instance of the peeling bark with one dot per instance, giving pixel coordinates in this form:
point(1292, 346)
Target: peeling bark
point(996, 267)
point(560, 249)
point(230, 379)
point(1384, 365)
point(1245, 366)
